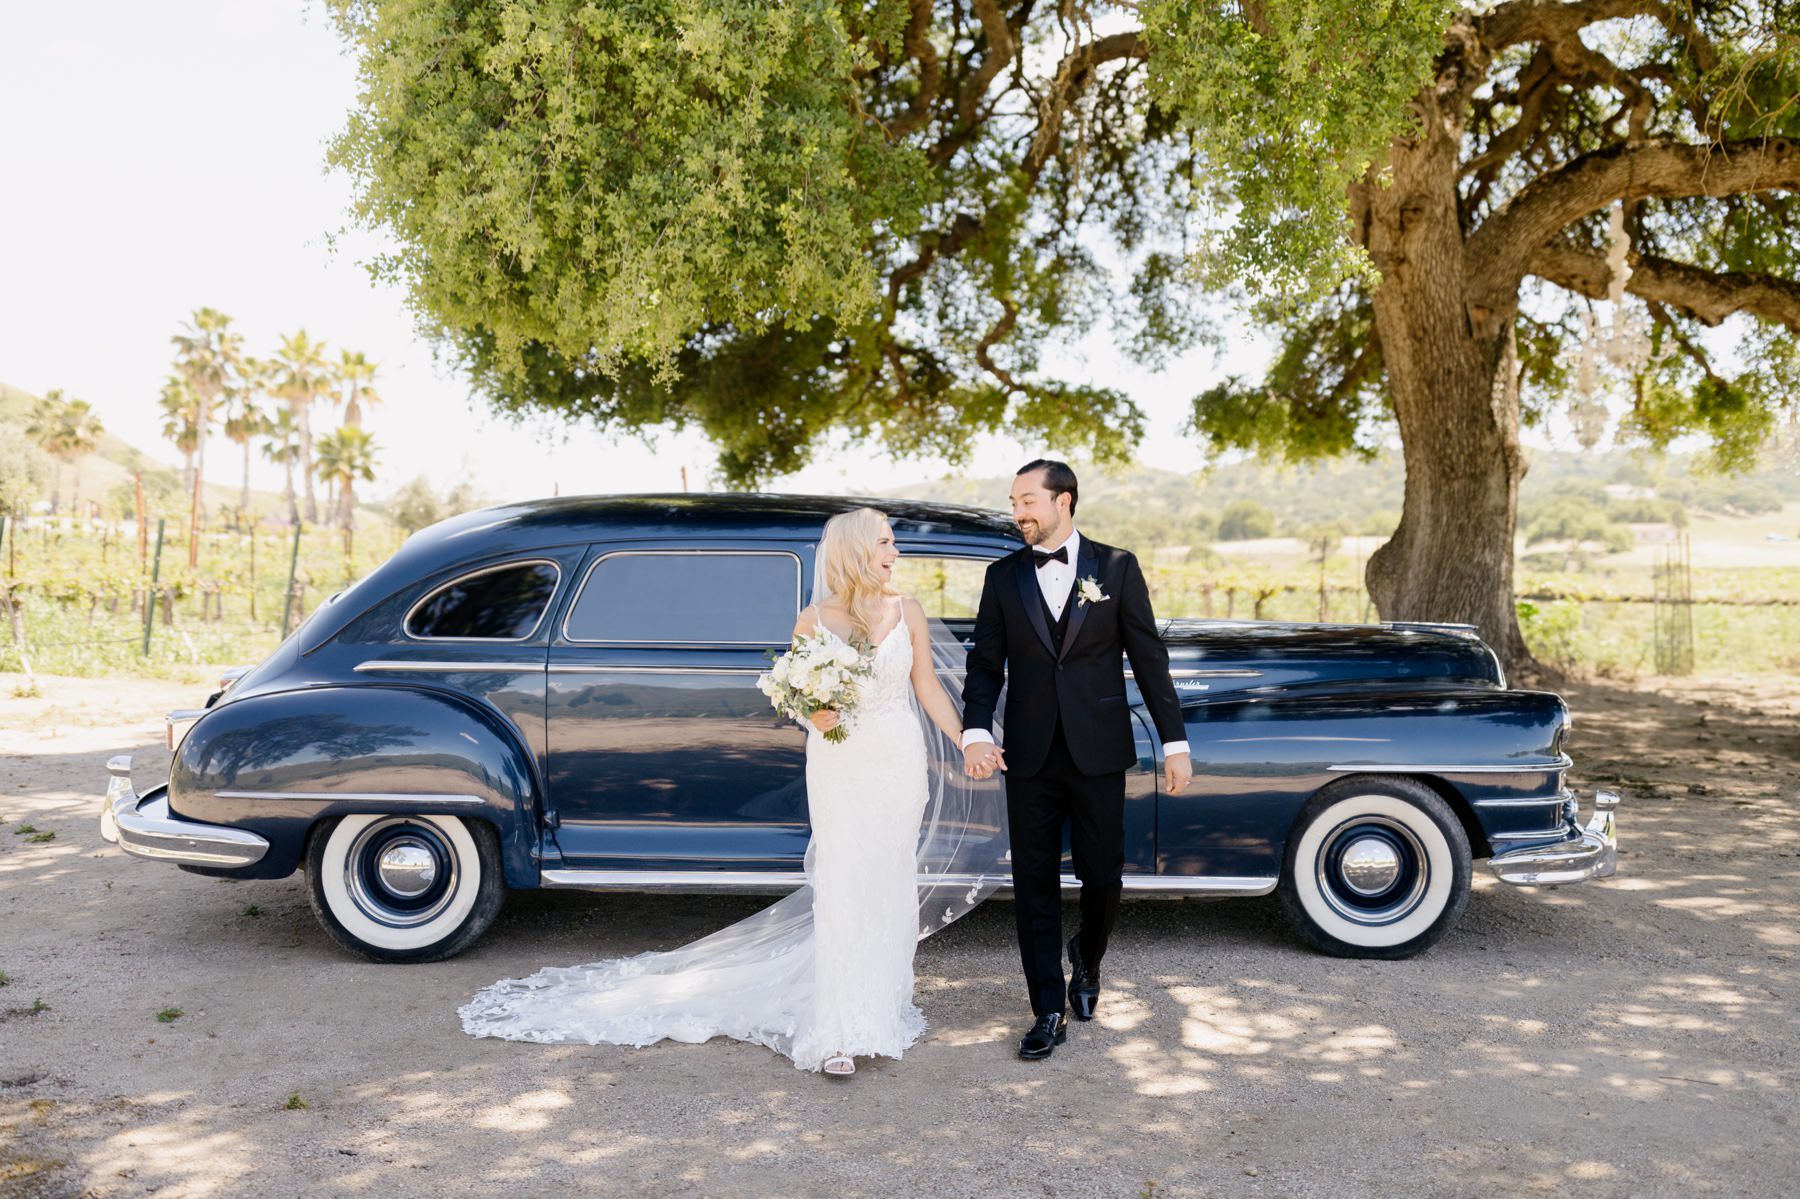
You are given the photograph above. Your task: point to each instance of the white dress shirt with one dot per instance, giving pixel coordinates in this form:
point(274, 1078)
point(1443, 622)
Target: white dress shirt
point(1057, 581)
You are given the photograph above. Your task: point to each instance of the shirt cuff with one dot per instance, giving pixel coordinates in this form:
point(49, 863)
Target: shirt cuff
point(1174, 747)
point(976, 736)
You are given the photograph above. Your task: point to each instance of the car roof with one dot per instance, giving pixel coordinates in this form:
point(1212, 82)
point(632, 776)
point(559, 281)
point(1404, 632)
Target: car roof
point(571, 518)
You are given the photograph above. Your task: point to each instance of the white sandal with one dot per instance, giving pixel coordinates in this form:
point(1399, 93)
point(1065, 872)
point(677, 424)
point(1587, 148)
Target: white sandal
point(840, 1064)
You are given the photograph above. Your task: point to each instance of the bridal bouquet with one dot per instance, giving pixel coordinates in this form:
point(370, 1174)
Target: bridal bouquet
point(817, 674)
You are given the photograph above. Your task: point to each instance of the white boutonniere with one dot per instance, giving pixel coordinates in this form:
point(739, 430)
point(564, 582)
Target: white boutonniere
point(1089, 590)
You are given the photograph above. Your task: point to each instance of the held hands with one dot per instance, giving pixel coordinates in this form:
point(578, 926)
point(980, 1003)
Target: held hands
point(982, 758)
point(1177, 770)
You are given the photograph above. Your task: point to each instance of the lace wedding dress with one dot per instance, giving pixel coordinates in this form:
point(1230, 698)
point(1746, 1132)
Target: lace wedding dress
point(902, 844)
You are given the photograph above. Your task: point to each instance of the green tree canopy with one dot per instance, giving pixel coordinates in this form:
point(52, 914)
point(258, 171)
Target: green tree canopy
point(773, 219)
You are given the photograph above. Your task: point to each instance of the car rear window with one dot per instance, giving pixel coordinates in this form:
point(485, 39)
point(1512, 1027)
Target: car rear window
point(688, 598)
point(501, 603)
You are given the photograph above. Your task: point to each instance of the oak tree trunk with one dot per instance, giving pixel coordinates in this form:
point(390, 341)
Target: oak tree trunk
point(1455, 397)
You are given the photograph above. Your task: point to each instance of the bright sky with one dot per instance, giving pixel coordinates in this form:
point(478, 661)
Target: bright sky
point(161, 157)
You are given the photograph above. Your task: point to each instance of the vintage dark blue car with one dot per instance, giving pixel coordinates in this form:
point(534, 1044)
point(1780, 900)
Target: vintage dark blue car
point(563, 694)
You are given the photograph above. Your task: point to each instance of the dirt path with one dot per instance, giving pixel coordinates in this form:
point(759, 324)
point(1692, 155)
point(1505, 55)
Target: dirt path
point(1636, 1038)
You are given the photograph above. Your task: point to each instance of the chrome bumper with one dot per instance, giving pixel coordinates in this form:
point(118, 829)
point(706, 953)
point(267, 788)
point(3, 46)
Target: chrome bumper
point(1594, 855)
point(143, 827)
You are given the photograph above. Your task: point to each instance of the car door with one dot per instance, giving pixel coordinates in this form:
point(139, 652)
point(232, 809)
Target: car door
point(663, 755)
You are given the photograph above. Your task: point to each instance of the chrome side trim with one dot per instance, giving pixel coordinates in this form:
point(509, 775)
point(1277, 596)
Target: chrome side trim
point(406, 621)
point(1543, 834)
point(358, 796)
point(145, 829)
point(1523, 801)
point(444, 667)
point(1563, 762)
point(588, 577)
point(1176, 673)
point(572, 668)
point(782, 880)
point(1191, 884)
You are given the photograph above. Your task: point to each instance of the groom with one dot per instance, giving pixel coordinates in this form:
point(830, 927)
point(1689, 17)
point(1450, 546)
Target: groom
point(1059, 614)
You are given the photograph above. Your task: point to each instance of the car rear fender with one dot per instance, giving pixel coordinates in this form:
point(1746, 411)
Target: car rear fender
point(277, 763)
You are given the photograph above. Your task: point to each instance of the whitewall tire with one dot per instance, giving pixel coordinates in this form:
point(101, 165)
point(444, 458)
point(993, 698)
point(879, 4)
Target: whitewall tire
point(1376, 867)
point(405, 888)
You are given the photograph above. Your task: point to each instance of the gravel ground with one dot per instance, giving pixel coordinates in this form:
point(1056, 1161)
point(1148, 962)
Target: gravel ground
point(1632, 1038)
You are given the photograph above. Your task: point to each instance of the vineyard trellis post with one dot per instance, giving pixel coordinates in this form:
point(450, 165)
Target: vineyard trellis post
point(1673, 606)
point(287, 603)
point(143, 524)
point(150, 592)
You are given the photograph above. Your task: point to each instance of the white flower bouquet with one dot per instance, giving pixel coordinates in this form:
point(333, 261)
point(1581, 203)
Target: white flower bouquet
point(819, 673)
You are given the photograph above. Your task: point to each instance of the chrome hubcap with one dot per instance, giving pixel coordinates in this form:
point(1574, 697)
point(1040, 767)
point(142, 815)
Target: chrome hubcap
point(1370, 865)
point(407, 868)
point(400, 872)
point(1372, 870)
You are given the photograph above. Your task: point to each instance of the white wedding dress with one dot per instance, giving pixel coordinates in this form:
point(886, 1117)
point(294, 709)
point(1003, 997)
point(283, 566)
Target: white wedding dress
point(902, 844)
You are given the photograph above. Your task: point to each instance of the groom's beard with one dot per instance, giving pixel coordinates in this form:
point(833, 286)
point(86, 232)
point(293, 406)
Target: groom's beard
point(1036, 534)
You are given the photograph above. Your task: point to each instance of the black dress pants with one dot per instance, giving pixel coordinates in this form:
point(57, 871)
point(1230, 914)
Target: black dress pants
point(1038, 807)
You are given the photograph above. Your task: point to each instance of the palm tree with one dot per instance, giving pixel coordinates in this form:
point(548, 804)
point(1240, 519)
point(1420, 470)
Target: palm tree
point(245, 421)
point(283, 448)
point(301, 378)
point(356, 375)
point(68, 431)
point(207, 357)
point(181, 423)
point(347, 454)
point(82, 430)
point(45, 427)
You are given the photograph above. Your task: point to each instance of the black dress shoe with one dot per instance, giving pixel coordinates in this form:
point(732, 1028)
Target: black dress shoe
point(1084, 987)
point(1050, 1031)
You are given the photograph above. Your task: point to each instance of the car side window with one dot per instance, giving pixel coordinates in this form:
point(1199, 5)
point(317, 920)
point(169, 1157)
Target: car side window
point(501, 603)
point(687, 598)
point(947, 588)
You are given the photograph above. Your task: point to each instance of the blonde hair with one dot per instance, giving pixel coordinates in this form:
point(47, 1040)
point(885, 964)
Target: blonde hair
point(847, 556)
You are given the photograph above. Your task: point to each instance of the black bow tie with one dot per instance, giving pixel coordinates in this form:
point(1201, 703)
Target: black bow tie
point(1061, 555)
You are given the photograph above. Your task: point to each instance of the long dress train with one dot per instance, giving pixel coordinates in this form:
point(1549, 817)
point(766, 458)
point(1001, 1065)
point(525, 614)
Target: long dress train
point(902, 844)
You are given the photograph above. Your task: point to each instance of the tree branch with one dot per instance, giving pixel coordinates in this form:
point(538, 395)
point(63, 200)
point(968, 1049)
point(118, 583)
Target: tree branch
point(1551, 20)
point(1002, 327)
point(931, 72)
point(1001, 46)
point(1072, 75)
point(1500, 252)
point(1708, 296)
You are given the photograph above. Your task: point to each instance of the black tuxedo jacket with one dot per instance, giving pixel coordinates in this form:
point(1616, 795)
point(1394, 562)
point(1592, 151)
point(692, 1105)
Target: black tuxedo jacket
point(1080, 682)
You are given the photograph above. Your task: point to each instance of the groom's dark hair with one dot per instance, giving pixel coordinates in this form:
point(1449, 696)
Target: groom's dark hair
point(1058, 479)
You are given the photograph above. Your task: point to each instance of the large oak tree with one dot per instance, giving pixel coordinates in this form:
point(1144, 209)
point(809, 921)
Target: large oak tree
point(772, 219)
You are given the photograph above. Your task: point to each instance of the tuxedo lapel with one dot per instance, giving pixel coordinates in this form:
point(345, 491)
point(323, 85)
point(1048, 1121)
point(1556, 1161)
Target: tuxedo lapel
point(1033, 599)
point(1087, 566)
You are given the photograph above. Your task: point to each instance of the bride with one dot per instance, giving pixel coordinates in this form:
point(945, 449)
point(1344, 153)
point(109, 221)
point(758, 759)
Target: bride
point(903, 843)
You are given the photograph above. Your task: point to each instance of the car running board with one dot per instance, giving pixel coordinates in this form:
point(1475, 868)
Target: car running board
point(779, 882)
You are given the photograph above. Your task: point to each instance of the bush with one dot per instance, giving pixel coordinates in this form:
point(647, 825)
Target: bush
point(1244, 520)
